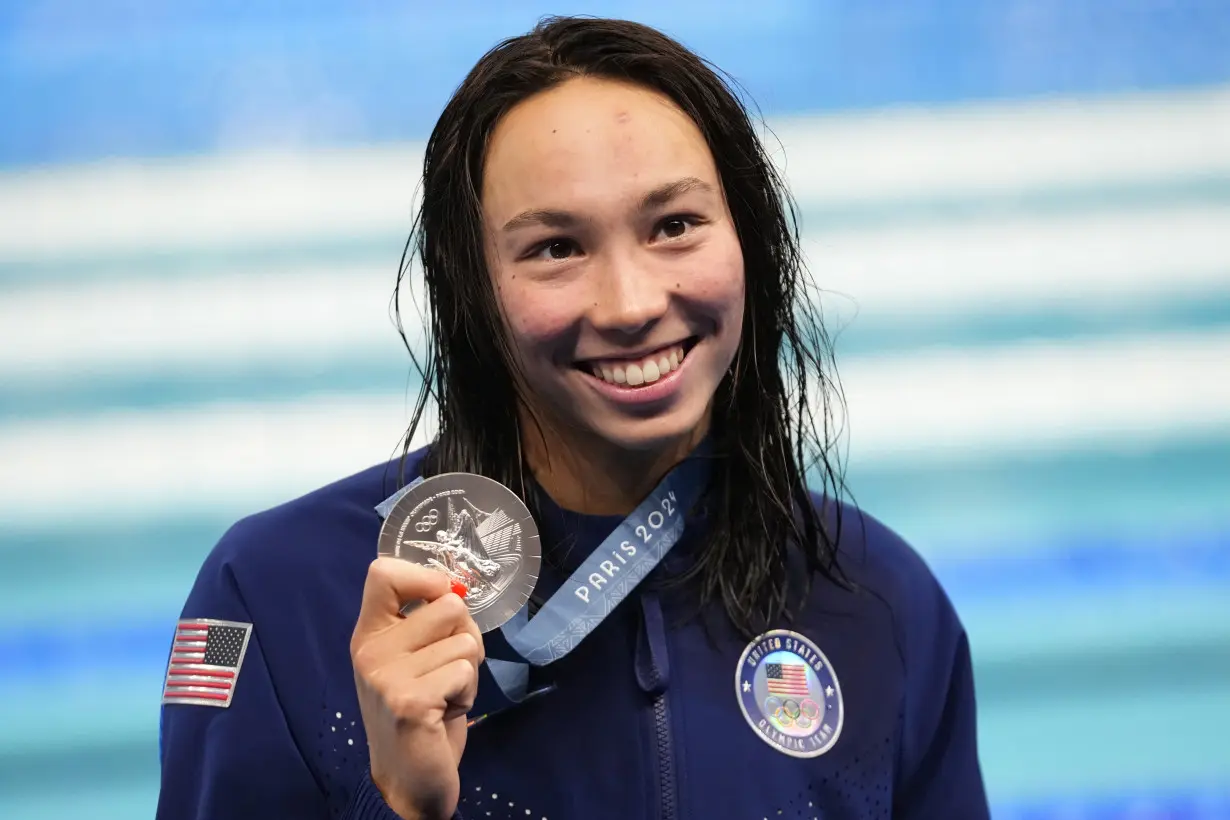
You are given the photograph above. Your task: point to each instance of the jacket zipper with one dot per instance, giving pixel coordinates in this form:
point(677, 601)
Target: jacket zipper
point(666, 757)
point(653, 674)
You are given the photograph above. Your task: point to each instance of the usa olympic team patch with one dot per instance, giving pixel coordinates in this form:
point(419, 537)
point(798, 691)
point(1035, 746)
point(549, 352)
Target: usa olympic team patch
point(789, 694)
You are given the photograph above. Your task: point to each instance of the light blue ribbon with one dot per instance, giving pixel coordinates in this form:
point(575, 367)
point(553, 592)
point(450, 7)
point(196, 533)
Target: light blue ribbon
point(603, 580)
point(385, 507)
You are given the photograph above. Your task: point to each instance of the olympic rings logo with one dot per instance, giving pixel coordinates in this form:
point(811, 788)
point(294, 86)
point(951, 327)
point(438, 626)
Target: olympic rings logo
point(427, 521)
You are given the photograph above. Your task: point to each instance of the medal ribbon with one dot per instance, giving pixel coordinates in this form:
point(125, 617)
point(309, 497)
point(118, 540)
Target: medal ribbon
point(603, 580)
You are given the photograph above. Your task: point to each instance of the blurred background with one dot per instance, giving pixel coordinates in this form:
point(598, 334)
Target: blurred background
point(1019, 212)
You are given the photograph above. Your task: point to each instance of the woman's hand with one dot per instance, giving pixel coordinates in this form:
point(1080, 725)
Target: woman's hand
point(417, 677)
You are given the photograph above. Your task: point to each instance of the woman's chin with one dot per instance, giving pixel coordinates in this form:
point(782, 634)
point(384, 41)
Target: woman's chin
point(661, 435)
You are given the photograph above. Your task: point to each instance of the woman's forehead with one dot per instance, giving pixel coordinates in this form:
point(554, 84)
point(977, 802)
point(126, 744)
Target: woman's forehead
point(589, 142)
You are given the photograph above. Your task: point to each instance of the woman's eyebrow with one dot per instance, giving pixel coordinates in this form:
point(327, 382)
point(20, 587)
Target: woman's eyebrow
point(560, 220)
point(539, 216)
point(665, 193)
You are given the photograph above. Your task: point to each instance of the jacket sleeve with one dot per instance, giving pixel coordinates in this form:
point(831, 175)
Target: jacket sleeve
point(241, 760)
point(941, 774)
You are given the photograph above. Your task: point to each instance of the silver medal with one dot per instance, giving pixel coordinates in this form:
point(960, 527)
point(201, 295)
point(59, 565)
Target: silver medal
point(475, 530)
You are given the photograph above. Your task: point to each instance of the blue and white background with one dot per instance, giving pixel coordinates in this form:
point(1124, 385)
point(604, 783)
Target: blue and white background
point(1018, 211)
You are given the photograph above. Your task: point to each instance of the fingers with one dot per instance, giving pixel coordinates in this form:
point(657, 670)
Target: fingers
point(472, 628)
point(460, 647)
point(457, 683)
point(391, 582)
point(441, 619)
point(446, 691)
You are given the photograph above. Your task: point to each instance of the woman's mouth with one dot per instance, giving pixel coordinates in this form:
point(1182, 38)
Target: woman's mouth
point(641, 370)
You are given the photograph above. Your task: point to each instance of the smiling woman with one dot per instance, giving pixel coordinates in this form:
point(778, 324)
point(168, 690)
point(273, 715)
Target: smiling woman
point(626, 375)
point(616, 251)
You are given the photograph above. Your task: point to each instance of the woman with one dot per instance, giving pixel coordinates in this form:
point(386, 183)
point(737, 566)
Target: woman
point(615, 296)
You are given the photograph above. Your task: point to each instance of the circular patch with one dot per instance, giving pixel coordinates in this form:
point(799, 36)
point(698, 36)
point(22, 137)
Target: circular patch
point(789, 694)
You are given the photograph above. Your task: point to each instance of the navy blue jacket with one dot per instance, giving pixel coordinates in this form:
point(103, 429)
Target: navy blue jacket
point(644, 720)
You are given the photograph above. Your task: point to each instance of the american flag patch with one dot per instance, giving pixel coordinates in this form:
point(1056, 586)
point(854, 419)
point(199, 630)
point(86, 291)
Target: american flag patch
point(787, 679)
point(205, 661)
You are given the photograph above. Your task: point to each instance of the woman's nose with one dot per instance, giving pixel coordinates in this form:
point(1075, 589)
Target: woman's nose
point(632, 297)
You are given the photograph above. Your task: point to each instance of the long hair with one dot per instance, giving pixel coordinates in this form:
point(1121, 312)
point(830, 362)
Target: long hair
point(768, 430)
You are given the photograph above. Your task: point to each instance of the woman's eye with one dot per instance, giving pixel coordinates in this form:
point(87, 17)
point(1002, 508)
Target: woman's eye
point(674, 227)
point(555, 249)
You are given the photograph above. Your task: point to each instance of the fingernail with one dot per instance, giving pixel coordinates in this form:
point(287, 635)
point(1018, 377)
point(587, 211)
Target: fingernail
point(459, 589)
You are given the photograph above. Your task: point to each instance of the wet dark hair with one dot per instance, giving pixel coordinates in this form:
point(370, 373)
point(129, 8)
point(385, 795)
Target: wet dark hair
point(764, 425)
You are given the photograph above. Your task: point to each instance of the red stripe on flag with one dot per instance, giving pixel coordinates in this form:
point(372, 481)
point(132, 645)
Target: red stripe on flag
point(212, 673)
point(208, 684)
point(205, 695)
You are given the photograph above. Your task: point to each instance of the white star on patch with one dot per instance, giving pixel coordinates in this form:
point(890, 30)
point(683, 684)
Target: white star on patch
point(747, 687)
point(829, 691)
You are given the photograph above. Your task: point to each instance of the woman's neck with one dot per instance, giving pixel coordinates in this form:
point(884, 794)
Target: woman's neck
point(586, 474)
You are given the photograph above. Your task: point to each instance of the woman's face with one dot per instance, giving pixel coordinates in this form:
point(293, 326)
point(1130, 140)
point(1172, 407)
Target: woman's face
point(615, 262)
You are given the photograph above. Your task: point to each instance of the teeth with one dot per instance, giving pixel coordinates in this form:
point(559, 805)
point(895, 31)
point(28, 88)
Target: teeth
point(643, 372)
